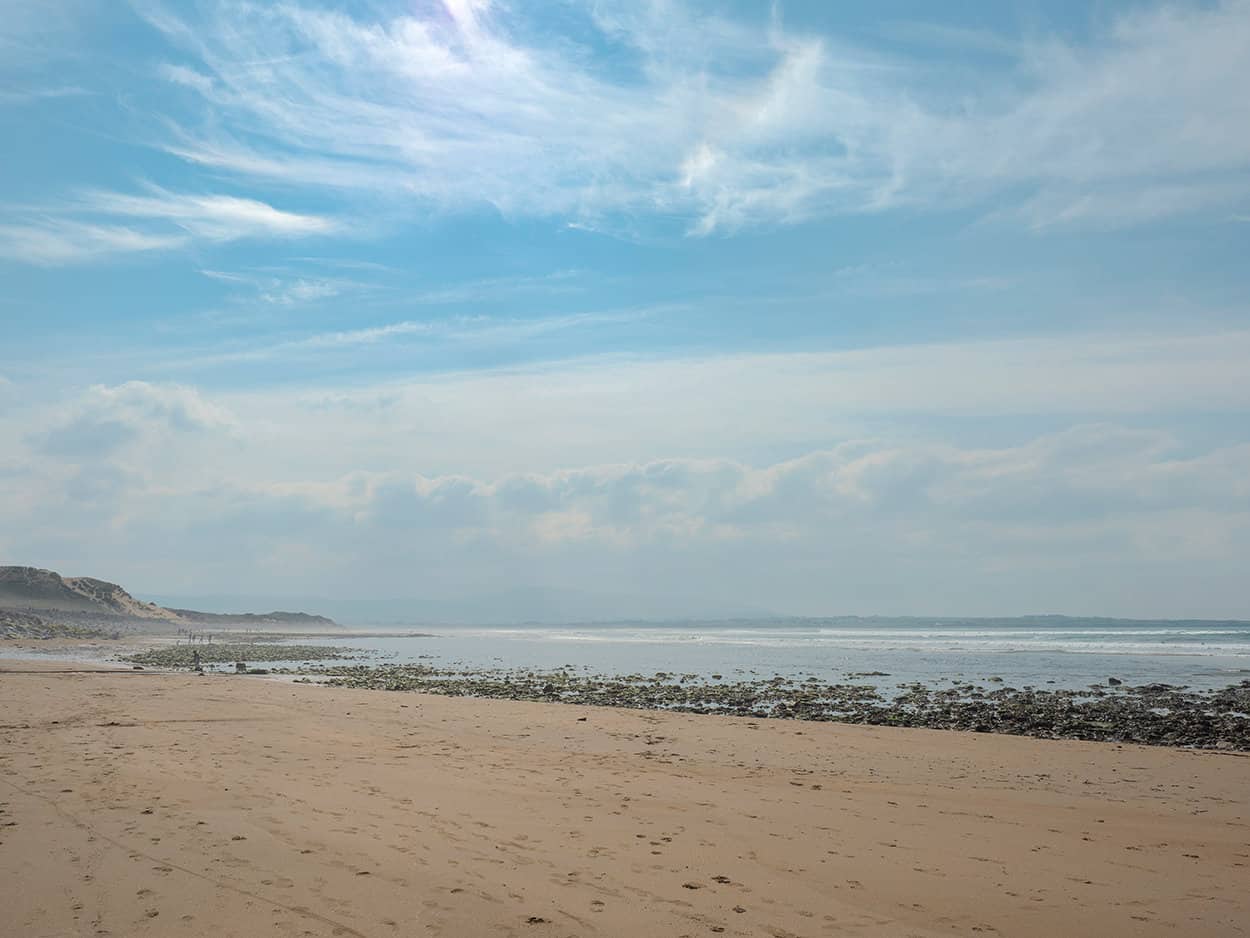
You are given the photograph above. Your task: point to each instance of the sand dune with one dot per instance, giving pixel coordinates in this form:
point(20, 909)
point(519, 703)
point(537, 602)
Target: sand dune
point(136, 803)
point(35, 602)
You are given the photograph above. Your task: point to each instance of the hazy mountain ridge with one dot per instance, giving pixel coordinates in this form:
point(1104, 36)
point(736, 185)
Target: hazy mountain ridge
point(33, 600)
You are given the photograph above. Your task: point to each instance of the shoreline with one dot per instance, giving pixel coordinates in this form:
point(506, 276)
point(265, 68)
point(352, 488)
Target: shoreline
point(1154, 714)
point(1157, 714)
point(175, 804)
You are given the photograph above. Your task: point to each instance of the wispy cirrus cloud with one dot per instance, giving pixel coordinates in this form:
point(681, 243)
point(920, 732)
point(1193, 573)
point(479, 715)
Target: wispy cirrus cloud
point(305, 281)
point(494, 288)
point(215, 217)
point(472, 328)
point(461, 330)
point(53, 242)
point(463, 106)
point(468, 105)
point(36, 95)
point(619, 408)
point(33, 34)
point(95, 224)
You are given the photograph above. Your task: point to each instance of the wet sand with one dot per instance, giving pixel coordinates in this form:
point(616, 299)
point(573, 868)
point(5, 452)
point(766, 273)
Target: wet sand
point(141, 803)
point(84, 649)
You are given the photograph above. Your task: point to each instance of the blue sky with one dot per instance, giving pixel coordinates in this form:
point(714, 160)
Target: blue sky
point(673, 308)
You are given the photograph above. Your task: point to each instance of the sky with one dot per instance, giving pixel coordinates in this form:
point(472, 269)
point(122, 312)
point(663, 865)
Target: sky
point(602, 309)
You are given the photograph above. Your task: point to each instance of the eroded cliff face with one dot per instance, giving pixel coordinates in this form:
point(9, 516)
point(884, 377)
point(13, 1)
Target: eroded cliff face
point(117, 599)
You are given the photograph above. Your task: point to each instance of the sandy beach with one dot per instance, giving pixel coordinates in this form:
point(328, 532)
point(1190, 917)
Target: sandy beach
point(140, 803)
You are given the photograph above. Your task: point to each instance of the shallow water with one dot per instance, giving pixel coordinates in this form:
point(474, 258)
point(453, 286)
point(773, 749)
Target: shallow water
point(1072, 655)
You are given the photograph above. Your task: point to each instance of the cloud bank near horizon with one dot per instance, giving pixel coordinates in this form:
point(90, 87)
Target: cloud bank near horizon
point(788, 307)
point(326, 494)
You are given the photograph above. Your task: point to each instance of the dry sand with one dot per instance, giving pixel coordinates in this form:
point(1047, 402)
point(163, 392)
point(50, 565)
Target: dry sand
point(136, 803)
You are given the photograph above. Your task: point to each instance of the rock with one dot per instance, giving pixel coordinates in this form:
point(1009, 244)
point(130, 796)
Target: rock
point(1153, 714)
point(1114, 681)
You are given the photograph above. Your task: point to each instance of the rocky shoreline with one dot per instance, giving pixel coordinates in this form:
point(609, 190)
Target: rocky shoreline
point(18, 624)
point(1152, 714)
point(187, 655)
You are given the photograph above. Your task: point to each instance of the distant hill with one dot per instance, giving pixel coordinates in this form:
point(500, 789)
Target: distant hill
point(47, 595)
point(253, 620)
point(480, 607)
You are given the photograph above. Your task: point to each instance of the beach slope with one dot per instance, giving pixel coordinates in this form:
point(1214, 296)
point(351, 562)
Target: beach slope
point(135, 803)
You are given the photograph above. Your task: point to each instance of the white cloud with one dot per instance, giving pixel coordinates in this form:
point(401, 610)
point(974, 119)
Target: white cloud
point(215, 217)
point(803, 482)
point(52, 242)
point(613, 409)
point(84, 464)
point(493, 288)
point(464, 107)
point(173, 406)
point(945, 528)
point(188, 77)
point(305, 280)
point(107, 419)
point(302, 291)
point(27, 95)
point(285, 286)
point(33, 34)
point(468, 328)
point(1114, 205)
point(88, 228)
point(758, 125)
point(750, 407)
point(462, 329)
